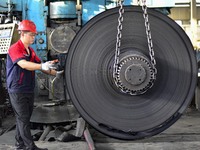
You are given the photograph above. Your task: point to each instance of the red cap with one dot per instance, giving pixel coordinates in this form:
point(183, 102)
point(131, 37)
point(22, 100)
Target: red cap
point(27, 25)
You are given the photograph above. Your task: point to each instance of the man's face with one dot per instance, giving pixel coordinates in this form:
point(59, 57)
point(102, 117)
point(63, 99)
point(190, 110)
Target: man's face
point(29, 37)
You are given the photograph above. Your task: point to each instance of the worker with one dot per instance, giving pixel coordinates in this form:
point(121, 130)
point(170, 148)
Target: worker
point(21, 64)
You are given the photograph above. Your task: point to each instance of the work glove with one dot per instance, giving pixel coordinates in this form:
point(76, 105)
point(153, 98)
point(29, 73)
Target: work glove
point(59, 74)
point(46, 66)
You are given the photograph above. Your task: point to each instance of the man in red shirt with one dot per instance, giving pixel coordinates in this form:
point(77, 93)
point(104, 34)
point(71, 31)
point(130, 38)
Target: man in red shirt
point(21, 64)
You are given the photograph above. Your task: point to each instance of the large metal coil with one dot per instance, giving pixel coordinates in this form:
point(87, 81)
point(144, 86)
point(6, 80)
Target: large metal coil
point(89, 82)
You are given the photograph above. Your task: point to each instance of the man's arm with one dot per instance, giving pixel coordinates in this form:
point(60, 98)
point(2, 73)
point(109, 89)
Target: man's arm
point(29, 65)
point(34, 66)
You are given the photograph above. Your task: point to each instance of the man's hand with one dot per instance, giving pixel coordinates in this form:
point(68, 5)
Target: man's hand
point(46, 66)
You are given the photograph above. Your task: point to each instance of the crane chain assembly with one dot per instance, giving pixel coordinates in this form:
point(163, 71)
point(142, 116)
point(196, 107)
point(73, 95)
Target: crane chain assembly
point(116, 66)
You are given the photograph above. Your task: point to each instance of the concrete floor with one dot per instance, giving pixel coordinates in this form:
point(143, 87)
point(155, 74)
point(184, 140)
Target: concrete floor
point(183, 135)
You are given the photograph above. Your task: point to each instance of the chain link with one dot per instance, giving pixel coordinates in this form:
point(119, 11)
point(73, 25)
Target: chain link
point(149, 39)
point(118, 43)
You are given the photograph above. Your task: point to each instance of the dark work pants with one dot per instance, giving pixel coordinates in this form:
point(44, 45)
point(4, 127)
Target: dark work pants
point(22, 104)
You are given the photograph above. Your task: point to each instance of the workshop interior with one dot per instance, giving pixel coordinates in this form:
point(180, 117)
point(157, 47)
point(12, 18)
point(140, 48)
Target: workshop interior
point(130, 66)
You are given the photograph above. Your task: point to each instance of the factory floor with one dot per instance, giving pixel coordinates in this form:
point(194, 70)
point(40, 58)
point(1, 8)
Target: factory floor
point(183, 135)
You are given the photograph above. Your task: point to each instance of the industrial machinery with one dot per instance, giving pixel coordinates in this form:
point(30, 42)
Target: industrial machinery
point(130, 72)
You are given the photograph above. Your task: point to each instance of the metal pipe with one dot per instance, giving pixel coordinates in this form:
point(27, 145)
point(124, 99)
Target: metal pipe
point(89, 139)
point(9, 4)
point(78, 5)
point(45, 2)
point(9, 17)
point(78, 2)
point(45, 133)
point(193, 21)
point(78, 9)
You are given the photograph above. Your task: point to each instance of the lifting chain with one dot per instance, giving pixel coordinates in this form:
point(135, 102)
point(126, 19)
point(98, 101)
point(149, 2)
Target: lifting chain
point(118, 44)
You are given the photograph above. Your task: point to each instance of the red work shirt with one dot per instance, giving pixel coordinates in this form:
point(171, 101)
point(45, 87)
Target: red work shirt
point(20, 80)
